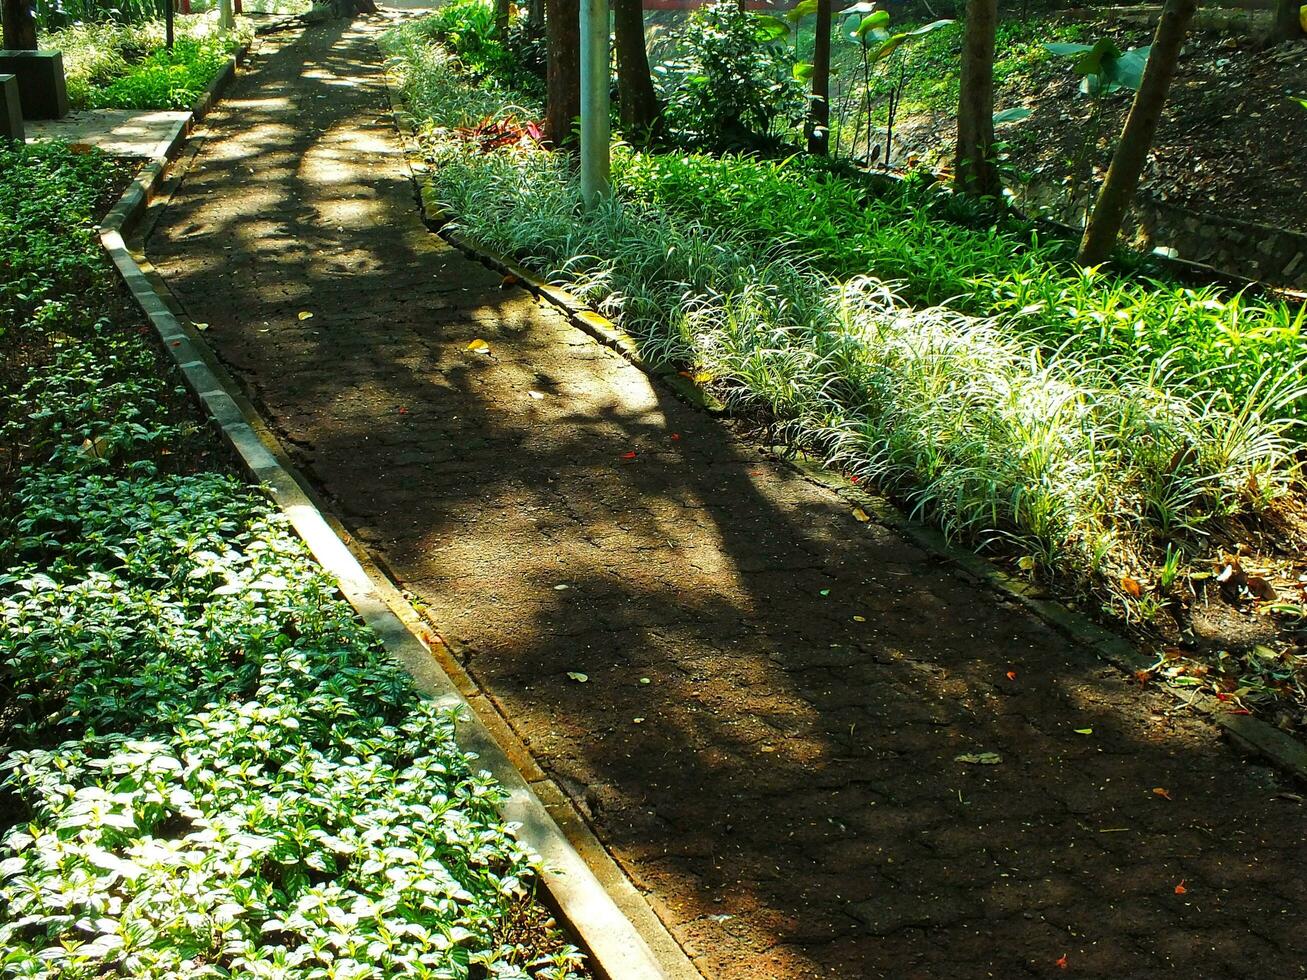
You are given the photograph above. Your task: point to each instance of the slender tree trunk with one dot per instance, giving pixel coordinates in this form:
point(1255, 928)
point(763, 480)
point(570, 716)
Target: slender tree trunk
point(563, 105)
point(20, 25)
point(535, 14)
point(638, 103)
point(1288, 21)
point(501, 18)
point(819, 121)
point(977, 172)
point(1118, 189)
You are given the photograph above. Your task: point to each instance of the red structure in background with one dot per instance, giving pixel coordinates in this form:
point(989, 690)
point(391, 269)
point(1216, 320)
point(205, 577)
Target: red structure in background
point(695, 4)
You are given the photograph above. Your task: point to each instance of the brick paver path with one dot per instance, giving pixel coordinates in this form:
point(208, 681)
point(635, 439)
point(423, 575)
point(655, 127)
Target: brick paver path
point(784, 785)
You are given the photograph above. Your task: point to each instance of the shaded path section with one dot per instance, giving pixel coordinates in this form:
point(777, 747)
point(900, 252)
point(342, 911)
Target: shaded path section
point(776, 694)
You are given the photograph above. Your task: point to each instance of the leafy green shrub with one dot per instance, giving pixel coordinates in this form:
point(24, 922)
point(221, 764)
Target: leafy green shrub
point(734, 87)
point(216, 769)
point(467, 27)
point(113, 65)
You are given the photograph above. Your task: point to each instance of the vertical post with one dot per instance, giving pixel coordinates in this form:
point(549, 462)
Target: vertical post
point(169, 28)
point(595, 82)
point(226, 17)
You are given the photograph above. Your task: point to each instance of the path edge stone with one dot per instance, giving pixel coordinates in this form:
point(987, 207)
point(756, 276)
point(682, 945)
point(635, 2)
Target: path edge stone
point(615, 949)
point(1252, 735)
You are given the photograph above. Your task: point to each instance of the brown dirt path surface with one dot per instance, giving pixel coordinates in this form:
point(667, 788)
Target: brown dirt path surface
point(784, 785)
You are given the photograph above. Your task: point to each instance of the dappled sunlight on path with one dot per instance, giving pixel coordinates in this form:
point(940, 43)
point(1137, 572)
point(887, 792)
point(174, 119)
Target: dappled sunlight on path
point(775, 694)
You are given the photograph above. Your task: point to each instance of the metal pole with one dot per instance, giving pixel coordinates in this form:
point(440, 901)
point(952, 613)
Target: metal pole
point(595, 81)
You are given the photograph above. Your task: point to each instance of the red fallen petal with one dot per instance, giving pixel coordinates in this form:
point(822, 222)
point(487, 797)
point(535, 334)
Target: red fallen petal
point(1061, 962)
point(1011, 675)
point(630, 455)
point(1180, 889)
point(1222, 696)
point(403, 411)
point(853, 479)
point(676, 436)
point(1240, 711)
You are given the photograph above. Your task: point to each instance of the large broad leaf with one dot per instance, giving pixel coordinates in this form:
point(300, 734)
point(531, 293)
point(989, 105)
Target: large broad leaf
point(1128, 70)
point(1091, 62)
point(802, 9)
point(934, 25)
point(872, 22)
point(862, 9)
point(802, 71)
point(1011, 115)
point(771, 28)
point(893, 43)
point(1063, 50)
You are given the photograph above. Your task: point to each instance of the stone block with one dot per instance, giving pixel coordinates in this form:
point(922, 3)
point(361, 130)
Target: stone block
point(11, 110)
point(41, 85)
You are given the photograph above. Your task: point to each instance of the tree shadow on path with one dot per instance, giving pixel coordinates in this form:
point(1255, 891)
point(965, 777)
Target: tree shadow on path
point(776, 694)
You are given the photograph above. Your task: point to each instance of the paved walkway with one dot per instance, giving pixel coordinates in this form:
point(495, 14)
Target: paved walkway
point(776, 694)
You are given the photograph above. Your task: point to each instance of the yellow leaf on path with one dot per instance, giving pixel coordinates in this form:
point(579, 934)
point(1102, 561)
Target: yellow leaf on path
point(1084, 731)
point(479, 346)
point(201, 326)
point(859, 619)
point(861, 515)
point(577, 676)
point(305, 315)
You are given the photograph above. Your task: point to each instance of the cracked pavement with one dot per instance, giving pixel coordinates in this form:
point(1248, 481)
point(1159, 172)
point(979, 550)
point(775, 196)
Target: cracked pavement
point(777, 694)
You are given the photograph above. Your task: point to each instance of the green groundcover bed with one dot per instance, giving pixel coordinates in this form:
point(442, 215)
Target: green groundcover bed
point(1108, 430)
point(211, 768)
point(112, 65)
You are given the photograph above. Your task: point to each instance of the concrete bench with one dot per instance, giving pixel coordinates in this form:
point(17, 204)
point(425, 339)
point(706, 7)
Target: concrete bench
point(11, 110)
point(40, 77)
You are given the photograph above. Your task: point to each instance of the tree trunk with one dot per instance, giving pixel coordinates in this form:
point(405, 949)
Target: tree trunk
point(976, 169)
point(1118, 189)
point(1288, 21)
point(535, 14)
point(501, 18)
point(19, 25)
point(638, 103)
point(563, 105)
point(819, 110)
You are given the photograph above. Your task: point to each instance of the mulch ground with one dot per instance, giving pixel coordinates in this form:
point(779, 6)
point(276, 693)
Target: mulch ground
point(775, 696)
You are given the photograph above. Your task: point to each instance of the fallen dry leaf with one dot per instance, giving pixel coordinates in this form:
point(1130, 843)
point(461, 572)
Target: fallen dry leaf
point(860, 515)
point(305, 315)
point(1180, 889)
point(979, 758)
point(1132, 586)
point(1162, 791)
point(1260, 588)
point(1011, 675)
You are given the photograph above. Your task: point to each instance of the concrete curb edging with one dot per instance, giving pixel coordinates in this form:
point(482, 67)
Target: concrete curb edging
point(616, 950)
point(1253, 735)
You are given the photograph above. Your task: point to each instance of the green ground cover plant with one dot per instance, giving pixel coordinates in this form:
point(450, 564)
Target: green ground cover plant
point(115, 65)
point(1092, 470)
point(211, 768)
